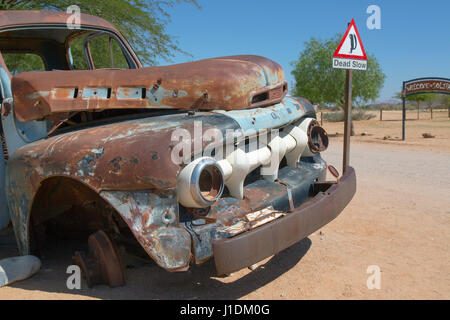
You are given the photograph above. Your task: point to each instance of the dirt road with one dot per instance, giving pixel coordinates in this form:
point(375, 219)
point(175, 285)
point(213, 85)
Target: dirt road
point(398, 220)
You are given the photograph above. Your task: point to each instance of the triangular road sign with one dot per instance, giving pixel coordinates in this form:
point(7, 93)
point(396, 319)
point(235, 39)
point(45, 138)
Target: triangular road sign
point(351, 46)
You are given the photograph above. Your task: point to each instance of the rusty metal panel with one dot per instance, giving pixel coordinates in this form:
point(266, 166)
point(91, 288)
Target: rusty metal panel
point(235, 253)
point(153, 219)
point(275, 116)
point(210, 84)
point(129, 155)
point(272, 70)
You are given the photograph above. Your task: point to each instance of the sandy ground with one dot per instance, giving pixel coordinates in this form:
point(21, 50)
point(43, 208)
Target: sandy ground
point(389, 131)
point(398, 220)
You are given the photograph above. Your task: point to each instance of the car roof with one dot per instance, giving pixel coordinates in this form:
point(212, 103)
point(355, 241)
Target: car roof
point(16, 18)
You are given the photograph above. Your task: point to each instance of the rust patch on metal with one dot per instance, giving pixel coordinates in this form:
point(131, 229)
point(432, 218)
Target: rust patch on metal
point(334, 172)
point(252, 220)
point(6, 108)
point(102, 265)
point(268, 96)
point(153, 219)
point(4, 147)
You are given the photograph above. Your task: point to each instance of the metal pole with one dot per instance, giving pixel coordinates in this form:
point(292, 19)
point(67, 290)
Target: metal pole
point(381, 114)
point(348, 118)
point(431, 108)
point(404, 111)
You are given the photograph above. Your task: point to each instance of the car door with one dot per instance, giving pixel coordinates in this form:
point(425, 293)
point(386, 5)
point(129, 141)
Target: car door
point(5, 93)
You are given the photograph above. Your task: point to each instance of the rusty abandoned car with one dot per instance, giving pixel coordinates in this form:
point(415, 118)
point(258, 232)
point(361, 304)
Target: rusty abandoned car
point(88, 150)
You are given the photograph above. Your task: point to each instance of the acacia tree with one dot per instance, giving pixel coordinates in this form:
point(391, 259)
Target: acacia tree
point(142, 22)
point(319, 82)
point(444, 100)
point(417, 98)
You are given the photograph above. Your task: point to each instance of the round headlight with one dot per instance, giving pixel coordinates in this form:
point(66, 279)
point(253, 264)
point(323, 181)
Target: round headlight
point(207, 182)
point(200, 183)
point(317, 137)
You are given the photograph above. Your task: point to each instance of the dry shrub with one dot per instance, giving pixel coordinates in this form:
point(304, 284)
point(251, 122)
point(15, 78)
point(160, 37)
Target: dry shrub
point(340, 116)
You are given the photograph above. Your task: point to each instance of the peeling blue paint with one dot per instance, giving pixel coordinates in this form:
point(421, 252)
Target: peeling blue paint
point(275, 116)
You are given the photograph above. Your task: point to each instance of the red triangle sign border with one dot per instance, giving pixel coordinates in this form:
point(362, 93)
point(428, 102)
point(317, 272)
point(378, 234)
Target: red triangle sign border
point(348, 56)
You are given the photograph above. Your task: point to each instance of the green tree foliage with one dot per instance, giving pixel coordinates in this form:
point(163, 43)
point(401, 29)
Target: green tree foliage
point(142, 22)
point(444, 100)
point(319, 82)
point(417, 98)
point(101, 49)
point(105, 52)
point(23, 62)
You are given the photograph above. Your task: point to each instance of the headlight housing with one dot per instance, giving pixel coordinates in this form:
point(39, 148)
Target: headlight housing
point(200, 183)
point(317, 137)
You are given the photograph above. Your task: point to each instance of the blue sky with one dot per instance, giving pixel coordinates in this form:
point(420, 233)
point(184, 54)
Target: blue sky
point(414, 40)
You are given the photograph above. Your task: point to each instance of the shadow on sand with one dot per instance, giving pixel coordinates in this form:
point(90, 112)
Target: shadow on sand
point(148, 281)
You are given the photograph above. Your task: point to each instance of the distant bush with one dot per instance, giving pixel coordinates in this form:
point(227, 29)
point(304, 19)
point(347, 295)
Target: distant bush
point(377, 107)
point(335, 108)
point(340, 116)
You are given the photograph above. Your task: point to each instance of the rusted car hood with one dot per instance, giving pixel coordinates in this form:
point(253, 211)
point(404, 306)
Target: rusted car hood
point(226, 83)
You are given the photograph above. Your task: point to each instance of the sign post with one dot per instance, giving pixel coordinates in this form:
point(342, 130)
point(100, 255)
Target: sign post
point(404, 111)
point(348, 118)
point(349, 55)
